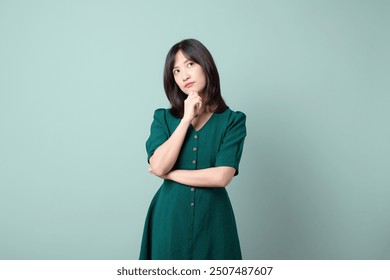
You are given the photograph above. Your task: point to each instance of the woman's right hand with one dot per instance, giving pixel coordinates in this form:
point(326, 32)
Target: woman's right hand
point(192, 106)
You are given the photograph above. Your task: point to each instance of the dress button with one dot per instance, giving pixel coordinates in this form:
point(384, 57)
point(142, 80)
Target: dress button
point(192, 189)
point(196, 136)
point(193, 161)
point(192, 204)
point(194, 149)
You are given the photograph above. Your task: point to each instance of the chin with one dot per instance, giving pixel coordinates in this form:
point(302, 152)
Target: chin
point(187, 91)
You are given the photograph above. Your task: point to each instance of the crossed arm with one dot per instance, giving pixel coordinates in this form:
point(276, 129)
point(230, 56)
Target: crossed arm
point(165, 156)
point(208, 177)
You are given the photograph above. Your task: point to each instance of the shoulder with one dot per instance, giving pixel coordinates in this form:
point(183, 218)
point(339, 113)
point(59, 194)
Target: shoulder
point(164, 117)
point(160, 111)
point(232, 122)
point(163, 113)
point(233, 116)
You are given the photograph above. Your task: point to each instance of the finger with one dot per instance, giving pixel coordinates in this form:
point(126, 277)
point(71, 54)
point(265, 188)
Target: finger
point(200, 104)
point(195, 99)
point(196, 110)
point(193, 94)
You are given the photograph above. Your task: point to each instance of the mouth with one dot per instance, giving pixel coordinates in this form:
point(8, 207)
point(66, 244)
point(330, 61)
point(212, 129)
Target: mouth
point(188, 85)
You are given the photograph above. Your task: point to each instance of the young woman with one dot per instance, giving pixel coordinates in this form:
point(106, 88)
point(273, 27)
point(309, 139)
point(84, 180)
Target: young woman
point(195, 146)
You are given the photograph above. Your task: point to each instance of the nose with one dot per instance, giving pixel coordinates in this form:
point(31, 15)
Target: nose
point(185, 75)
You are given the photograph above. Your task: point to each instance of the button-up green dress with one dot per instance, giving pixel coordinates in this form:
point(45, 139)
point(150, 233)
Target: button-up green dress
point(188, 222)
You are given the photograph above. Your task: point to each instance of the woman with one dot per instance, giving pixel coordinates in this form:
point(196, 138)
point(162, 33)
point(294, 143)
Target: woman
point(195, 146)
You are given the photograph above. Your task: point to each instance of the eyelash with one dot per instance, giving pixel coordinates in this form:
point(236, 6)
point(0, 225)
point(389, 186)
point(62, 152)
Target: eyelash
point(177, 71)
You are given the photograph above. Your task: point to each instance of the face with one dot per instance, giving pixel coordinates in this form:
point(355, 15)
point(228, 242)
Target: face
point(189, 76)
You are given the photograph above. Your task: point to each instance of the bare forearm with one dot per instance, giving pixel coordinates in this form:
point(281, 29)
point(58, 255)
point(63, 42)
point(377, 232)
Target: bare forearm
point(166, 155)
point(209, 177)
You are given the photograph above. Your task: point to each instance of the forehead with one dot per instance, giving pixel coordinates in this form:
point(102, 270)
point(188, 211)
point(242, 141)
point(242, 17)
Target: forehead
point(180, 59)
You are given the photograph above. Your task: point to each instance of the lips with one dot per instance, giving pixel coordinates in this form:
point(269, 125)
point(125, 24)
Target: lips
point(187, 85)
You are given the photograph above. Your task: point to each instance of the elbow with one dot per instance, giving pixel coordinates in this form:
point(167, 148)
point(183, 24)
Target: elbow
point(159, 172)
point(156, 169)
point(224, 176)
point(224, 181)
point(222, 185)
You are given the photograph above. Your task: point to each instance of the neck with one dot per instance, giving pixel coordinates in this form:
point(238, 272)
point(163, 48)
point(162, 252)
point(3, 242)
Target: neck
point(204, 110)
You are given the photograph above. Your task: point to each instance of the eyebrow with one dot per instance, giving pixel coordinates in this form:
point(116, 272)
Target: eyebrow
point(187, 60)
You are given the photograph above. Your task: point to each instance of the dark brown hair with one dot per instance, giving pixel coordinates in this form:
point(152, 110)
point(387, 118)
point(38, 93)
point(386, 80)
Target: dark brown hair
point(194, 50)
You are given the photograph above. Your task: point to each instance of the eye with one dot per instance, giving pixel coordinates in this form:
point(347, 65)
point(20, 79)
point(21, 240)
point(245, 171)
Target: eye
point(190, 64)
point(176, 71)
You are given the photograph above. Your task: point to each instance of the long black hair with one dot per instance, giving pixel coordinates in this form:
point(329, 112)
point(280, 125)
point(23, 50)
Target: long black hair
point(194, 50)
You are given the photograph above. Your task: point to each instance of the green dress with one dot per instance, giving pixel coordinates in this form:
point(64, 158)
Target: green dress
point(194, 223)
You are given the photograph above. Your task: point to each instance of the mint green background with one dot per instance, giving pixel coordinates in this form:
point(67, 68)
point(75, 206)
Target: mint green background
point(79, 81)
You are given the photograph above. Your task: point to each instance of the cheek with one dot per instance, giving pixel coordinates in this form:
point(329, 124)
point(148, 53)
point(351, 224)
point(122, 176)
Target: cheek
point(176, 81)
point(179, 85)
point(203, 78)
point(201, 75)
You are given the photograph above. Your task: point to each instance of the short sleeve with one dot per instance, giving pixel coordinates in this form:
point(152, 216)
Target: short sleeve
point(232, 145)
point(158, 132)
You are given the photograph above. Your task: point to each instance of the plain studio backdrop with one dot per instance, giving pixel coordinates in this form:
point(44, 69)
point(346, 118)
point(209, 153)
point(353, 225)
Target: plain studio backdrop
point(79, 81)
